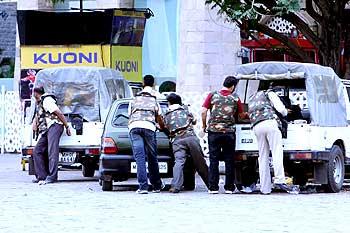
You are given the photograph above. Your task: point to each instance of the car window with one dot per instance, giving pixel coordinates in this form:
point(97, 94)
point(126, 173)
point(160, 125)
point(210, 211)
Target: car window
point(163, 106)
point(121, 116)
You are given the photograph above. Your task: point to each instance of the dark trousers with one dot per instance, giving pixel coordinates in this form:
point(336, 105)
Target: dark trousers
point(188, 148)
point(144, 144)
point(46, 153)
point(221, 147)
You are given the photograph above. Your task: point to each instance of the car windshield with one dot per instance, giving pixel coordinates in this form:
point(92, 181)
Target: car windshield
point(121, 116)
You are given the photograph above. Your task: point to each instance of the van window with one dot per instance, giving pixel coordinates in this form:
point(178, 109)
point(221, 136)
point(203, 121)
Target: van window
point(115, 88)
point(121, 116)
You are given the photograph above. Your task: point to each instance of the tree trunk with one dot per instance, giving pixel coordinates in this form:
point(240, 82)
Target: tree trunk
point(294, 49)
point(332, 46)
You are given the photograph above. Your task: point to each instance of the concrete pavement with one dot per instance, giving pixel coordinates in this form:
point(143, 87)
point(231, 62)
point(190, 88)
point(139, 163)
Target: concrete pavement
point(77, 204)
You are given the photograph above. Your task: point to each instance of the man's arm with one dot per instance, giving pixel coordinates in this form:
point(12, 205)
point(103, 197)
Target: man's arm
point(193, 119)
point(49, 104)
point(63, 120)
point(160, 122)
point(277, 103)
point(205, 107)
point(204, 118)
point(241, 114)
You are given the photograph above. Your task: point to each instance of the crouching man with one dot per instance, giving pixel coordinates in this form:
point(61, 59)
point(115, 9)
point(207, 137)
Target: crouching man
point(178, 121)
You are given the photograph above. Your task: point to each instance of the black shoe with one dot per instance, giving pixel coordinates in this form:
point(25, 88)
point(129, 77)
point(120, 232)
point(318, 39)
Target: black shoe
point(162, 186)
point(50, 181)
point(36, 180)
point(288, 188)
point(188, 188)
point(174, 190)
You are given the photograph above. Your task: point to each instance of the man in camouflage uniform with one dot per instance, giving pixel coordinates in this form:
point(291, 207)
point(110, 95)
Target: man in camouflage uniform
point(144, 113)
point(225, 106)
point(179, 122)
point(265, 124)
point(48, 124)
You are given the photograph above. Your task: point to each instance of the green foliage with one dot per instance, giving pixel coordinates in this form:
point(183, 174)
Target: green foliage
point(254, 9)
point(286, 6)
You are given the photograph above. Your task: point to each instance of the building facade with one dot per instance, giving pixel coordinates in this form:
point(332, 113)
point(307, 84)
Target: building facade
point(185, 42)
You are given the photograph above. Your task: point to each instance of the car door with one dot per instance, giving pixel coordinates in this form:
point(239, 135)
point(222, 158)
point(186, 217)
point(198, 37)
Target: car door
point(163, 144)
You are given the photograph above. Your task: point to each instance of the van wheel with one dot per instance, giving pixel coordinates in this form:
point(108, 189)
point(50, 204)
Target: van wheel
point(335, 170)
point(88, 170)
point(107, 185)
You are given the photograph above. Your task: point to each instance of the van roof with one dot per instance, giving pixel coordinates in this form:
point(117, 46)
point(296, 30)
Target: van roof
point(273, 70)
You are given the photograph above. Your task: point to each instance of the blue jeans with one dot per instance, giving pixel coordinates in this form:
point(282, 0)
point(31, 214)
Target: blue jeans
point(221, 147)
point(143, 142)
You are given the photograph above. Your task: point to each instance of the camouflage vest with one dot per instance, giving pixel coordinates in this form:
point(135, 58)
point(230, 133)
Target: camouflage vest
point(144, 108)
point(178, 121)
point(260, 108)
point(42, 115)
point(223, 111)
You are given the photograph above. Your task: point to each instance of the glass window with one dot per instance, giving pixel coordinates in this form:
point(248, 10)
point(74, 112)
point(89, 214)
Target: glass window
point(116, 88)
point(121, 116)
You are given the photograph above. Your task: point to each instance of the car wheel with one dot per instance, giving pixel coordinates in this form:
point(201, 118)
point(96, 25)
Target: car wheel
point(335, 170)
point(107, 185)
point(88, 170)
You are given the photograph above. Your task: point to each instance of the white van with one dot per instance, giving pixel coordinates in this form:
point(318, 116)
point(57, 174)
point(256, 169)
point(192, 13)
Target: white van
point(317, 145)
point(84, 95)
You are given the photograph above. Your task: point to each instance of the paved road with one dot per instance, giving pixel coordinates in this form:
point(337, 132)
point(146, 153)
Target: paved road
point(77, 204)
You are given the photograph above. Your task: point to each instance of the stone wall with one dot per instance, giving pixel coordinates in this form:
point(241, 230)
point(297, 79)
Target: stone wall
point(208, 48)
point(7, 42)
point(34, 4)
point(7, 29)
point(115, 3)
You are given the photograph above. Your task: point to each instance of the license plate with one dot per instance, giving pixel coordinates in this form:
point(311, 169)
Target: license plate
point(67, 157)
point(247, 140)
point(163, 167)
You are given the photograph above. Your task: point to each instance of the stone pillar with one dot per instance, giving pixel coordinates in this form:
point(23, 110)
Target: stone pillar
point(207, 48)
point(115, 3)
point(34, 4)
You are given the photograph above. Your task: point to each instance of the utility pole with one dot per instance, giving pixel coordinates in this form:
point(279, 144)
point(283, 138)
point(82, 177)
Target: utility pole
point(81, 5)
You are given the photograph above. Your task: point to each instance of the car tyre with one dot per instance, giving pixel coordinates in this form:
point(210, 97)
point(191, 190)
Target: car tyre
point(107, 185)
point(335, 170)
point(88, 170)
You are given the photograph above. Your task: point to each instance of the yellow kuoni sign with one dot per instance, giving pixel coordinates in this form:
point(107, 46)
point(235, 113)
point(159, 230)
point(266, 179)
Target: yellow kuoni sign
point(126, 59)
point(41, 57)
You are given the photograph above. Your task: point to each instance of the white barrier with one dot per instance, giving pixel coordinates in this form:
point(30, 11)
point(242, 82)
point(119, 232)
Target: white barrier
point(195, 100)
point(2, 120)
point(10, 121)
